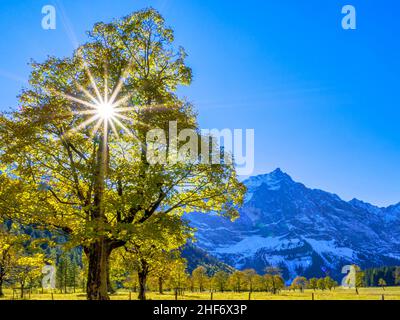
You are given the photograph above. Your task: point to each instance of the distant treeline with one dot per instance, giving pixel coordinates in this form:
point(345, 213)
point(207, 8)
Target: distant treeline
point(373, 277)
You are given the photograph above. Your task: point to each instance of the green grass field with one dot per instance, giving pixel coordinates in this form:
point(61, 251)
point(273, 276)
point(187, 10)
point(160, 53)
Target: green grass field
point(391, 293)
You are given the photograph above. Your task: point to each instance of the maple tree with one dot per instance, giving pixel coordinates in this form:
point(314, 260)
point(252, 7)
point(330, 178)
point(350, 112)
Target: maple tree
point(88, 175)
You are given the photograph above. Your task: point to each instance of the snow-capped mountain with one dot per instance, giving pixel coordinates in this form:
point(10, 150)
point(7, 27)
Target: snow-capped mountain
point(303, 231)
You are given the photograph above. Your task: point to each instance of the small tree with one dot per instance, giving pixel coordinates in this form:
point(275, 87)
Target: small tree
point(250, 275)
point(360, 281)
point(61, 273)
point(178, 279)
point(10, 248)
point(200, 277)
point(11, 239)
point(237, 281)
point(321, 284)
point(382, 283)
point(68, 272)
point(274, 279)
point(258, 283)
point(220, 280)
point(299, 283)
point(330, 283)
point(28, 269)
point(396, 275)
point(131, 282)
point(156, 247)
point(313, 283)
point(164, 270)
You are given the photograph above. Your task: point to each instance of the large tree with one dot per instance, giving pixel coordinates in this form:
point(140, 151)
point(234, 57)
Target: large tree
point(78, 142)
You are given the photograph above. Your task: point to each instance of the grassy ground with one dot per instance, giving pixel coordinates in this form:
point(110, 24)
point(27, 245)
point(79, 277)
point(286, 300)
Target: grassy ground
point(392, 293)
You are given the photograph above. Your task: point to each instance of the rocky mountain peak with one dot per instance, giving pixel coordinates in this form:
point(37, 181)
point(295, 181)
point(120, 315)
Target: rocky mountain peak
point(301, 230)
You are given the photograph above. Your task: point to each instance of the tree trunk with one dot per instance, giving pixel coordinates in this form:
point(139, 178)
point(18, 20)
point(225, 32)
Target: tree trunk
point(74, 280)
point(1, 288)
point(160, 285)
point(65, 276)
point(111, 290)
point(98, 254)
point(142, 275)
point(99, 251)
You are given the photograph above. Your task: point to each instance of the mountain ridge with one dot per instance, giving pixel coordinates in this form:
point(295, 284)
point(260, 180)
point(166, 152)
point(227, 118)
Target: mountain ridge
point(303, 231)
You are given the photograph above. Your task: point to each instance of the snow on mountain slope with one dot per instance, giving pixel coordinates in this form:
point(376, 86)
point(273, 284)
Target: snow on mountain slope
point(392, 213)
point(304, 231)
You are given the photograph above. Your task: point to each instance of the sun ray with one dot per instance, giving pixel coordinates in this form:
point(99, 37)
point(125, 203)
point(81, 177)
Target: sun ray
point(105, 131)
point(121, 116)
point(103, 109)
point(88, 94)
point(123, 100)
point(123, 127)
point(90, 76)
point(95, 88)
point(105, 137)
point(80, 101)
point(85, 112)
point(120, 83)
point(125, 109)
point(83, 124)
point(114, 129)
point(106, 86)
point(97, 126)
point(117, 90)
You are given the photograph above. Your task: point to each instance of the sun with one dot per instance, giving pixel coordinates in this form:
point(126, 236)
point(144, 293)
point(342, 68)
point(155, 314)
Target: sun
point(102, 110)
point(106, 110)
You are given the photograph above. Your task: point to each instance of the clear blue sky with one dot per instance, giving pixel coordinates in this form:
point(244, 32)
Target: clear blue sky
point(323, 101)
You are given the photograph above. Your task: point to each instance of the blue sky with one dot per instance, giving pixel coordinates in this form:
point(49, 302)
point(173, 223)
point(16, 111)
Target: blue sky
point(323, 101)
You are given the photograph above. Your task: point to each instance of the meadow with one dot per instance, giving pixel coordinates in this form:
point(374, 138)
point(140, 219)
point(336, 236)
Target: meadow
point(390, 293)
